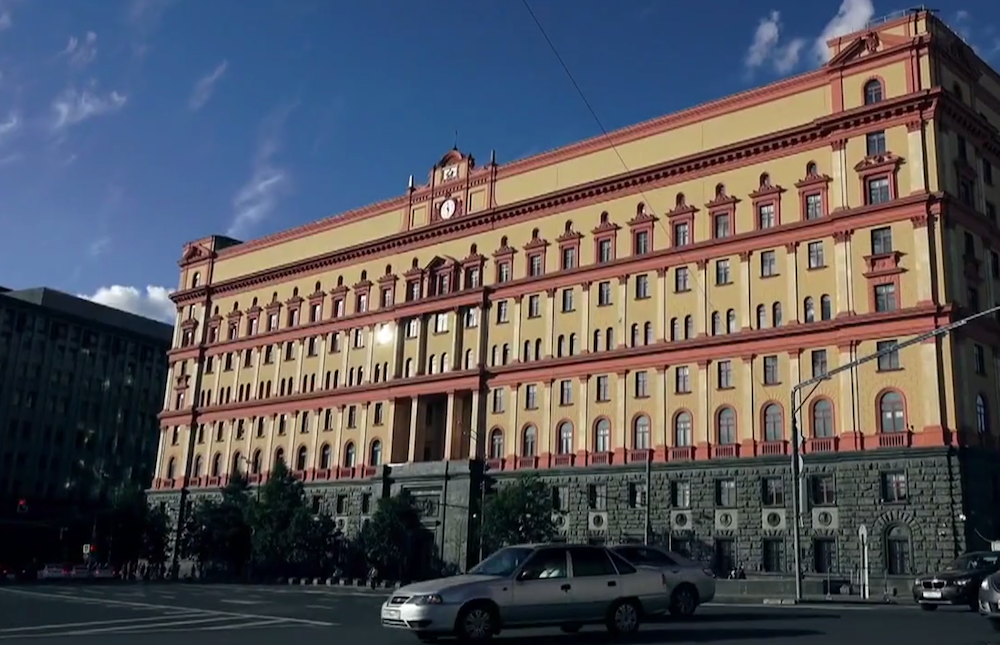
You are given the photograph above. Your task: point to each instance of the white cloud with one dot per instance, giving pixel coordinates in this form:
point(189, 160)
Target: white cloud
point(10, 126)
point(75, 106)
point(203, 89)
point(81, 52)
point(153, 303)
point(255, 200)
point(6, 22)
point(768, 48)
point(853, 15)
point(783, 55)
point(98, 246)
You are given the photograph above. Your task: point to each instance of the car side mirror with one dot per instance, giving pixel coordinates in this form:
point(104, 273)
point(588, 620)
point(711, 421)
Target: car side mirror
point(521, 576)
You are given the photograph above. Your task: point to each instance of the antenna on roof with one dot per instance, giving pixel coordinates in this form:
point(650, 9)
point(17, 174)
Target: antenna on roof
point(455, 147)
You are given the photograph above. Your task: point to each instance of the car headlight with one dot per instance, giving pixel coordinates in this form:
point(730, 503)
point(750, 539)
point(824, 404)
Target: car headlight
point(427, 599)
point(962, 582)
point(916, 583)
point(986, 584)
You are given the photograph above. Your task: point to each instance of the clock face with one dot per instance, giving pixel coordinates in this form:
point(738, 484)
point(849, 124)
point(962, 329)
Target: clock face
point(447, 209)
point(451, 172)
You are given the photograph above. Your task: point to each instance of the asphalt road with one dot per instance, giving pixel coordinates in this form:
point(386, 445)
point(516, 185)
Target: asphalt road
point(208, 615)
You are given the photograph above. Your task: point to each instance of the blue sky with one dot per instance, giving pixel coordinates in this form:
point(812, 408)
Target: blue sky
point(128, 127)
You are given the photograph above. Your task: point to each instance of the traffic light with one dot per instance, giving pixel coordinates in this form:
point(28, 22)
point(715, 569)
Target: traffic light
point(22, 506)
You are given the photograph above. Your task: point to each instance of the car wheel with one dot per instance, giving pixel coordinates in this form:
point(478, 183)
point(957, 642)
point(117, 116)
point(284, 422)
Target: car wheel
point(475, 624)
point(571, 629)
point(926, 607)
point(624, 617)
point(684, 601)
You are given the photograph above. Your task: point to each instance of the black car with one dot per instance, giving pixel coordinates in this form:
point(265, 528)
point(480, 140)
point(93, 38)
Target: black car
point(958, 583)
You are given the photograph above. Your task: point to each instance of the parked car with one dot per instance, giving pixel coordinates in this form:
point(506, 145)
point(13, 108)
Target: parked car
point(989, 599)
point(958, 584)
point(533, 585)
point(692, 584)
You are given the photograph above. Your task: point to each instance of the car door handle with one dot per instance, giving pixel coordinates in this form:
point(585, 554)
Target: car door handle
point(565, 587)
point(612, 583)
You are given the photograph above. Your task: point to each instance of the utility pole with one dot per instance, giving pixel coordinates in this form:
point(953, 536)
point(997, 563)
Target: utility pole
point(648, 502)
point(798, 438)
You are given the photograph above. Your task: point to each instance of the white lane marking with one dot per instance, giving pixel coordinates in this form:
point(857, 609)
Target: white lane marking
point(242, 602)
point(807, 607)
point(261, 623)
point(126, 629)
point(320, 607)
point(169, 608)
point(89, 623)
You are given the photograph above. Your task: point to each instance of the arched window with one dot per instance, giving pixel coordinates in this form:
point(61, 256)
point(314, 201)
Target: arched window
point(565, 438)
point(602, 436)
point(445, 365)
point(683, 430)
point(279, 456)
point(237, 464)
point(505, 354)
point(468, 359)
point(171, 468)
point(761, 317)
point(494, 356)
point(529, 442)
point(431, 364)
point(776, 314)
point(350, 455)
point(375, 453)
point(196, 471)
point(891, 413)
point(526, 353)
point(496, 444)
point(822, 419)
point(561, 346)
point(300, 458)
point(216, 465)
point(726, 426)
point(538, 349)
point(634, 336)
point(731, 326)
point(825, 308)
point(675, 329)
point(773, 430)
point(897, 550)
point(324, 456)
point(648, 333)
point(688, 327)
point(716, 323)
point(982, 415)
point(809, 310)
point(409, 368)
point(597, 340)
point(255, 463)
point(640, 433)
point(609, 339)
point(304, 423)
point(573, 349)
point(873, 92)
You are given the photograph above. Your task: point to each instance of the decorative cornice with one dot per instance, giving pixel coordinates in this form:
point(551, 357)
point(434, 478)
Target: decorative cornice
point(707, 162)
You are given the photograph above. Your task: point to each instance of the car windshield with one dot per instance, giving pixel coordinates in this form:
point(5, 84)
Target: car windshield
point(974, 562)
point(504, 562)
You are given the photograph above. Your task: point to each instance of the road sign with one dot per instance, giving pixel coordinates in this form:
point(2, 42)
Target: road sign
point(86, 549)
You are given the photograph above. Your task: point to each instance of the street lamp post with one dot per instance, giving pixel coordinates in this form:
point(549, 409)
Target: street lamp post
point(798, 438)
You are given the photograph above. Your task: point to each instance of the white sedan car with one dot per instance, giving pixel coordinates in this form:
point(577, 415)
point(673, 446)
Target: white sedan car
point(691, 583)
point(534, 585)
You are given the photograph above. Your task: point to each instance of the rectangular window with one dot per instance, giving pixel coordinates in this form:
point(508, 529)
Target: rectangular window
point(682, 279)
point(535, 266)
point(771, 370)
point(894, 487)
point(604, 251)
point(881, 241)
point(722, 274)
point(819, 366)
point(768, 264)
point(878, 190)
point(498, 401)
point(641, 243)
point(566, 393)
point(772, 491)
point(980, 359)
point(603, 392)
point(682, 380)
point(682, 234)
point(725, 554)
point(725, 493)
point(680, 494)
point(569, 258)
point(722, 225)
point(597, 497)
point(641, 287)
point(725, 374)
point(890, 359)
point(503, 272)
point(885, 297)
point(603, 294)
point(567, 300)
point(530, 397)
point(767, 216)
point(814, 206)
point(875, 143)
point(534, 306)
point(502, 312)
point(773, 555)
point(641, 385)
point(816, 259)
point(824, 554)
point(823, 490)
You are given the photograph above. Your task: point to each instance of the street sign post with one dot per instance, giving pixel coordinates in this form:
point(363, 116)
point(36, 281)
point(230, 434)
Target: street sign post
point(86, 549)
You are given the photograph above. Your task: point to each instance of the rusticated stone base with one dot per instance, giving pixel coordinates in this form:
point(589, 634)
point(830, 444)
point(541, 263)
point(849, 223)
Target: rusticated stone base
point(943, 487)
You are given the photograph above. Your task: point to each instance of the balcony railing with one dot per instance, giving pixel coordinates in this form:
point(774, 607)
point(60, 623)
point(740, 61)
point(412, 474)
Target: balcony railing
point(601, 458)
point(682, 453)
point(771, 448)
point(639, 455)
point(726, 451)
point(562, 461)
point(821, 444)
point(894, 439)
point(527, 462)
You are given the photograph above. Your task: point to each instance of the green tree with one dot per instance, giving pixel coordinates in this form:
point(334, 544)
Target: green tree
point(517, 513)
point(288, 538)
point(389, 539)
point(217, 533)
point(156, 536)
point(125, 523)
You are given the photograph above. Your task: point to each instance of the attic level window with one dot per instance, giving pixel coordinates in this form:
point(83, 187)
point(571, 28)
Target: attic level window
point(873, 92)
point(472, 278)
point(338, 307)
point(641, 242)
point(569, 258)
point(387, 297)
point(272, 322)
point(413, 291)
point(877, 190)
point(315, 311)
point(293, 317)
point(442, 284)
point(361, 303)
point(503, 272)
point(535, 265)
point(604, 251)
point(875, 143)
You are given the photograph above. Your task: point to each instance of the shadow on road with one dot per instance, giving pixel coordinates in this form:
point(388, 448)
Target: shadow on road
point(750, 617)
point(677, 633)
